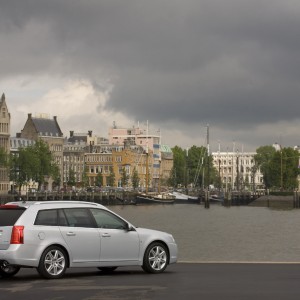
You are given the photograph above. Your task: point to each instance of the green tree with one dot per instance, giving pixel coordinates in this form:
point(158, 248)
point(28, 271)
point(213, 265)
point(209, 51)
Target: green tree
point(34, 162)
point(263, 158)
point(279, 168)
point(201, 167)
point(193, 167)
point(135, 178)
point(290, 172)
point(23, 166)
point(44, 167)
point(124, 178)
point(178, 171)
point(56, 176)
point(71, 177)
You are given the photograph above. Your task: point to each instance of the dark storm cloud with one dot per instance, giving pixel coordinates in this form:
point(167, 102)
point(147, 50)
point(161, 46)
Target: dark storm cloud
point(223, 62)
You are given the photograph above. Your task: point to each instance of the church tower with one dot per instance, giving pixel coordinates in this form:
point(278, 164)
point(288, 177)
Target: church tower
point(4, 143)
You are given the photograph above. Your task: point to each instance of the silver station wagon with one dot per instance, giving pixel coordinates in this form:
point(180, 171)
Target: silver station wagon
point(52, 236)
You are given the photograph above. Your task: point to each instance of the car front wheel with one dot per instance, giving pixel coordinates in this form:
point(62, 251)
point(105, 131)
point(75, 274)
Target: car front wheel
point(53, 263)
point(7, 271)
point(156, 258)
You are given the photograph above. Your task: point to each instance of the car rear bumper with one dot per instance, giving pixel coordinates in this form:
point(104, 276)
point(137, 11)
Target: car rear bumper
point(20, 255)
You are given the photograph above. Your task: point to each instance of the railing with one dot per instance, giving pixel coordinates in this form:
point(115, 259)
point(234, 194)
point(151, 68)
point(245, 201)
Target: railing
point(105, 198)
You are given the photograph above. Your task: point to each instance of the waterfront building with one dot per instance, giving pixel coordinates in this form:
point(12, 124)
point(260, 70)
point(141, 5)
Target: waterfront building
point(237, 171)
point(166, 163)
point(48, 130)
point(87, 138)
point(73, 161)
point(115, 160)
point(76, 148)
point(4, 143)
point(144, 138)
point(91, 157)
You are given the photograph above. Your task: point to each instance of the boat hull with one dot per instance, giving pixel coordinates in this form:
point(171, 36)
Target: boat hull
point(152, 200)
point(187, 201)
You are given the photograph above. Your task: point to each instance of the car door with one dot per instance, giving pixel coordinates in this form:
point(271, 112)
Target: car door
point(118, 244)
point(81, 235)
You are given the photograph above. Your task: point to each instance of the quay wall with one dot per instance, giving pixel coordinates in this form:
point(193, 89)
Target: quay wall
point(105, 198)
point(287, 202)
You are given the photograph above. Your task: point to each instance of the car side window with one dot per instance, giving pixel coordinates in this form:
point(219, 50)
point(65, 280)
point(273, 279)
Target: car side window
point(62, 220)
point(79, 217)
point(105, 219)
point(46, 217)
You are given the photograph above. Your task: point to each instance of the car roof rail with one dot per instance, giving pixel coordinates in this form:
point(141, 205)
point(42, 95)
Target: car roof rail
point(67, 202)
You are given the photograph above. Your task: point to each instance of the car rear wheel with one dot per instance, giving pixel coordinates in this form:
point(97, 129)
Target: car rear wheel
point(53, 263)
point(7, 271)
point(107, 269)
point(156, 258)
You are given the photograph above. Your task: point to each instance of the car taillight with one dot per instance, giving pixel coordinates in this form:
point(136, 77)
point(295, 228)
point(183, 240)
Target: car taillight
point(17, 235)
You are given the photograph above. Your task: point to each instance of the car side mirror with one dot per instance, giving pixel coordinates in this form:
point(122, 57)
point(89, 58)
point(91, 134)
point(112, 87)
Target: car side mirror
point(130, 227)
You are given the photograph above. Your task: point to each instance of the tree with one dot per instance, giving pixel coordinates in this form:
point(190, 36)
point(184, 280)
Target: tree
point(23, 166)
point(135, 178)
point(290, 172)
point(124, 178)
point(178, 171)
point(44, 167)
point(263, 157)
point(56, 175)
point(34, 162)
point(71, 178)
point(193, 167)
point(279, 168)
point(201, 167)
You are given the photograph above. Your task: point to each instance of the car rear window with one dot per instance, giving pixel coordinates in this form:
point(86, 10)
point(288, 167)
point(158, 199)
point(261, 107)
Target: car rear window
point(9, 215)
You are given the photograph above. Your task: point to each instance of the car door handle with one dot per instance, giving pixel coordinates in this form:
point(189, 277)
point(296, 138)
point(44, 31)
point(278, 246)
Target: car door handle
point(71, 233)
point(105, 235)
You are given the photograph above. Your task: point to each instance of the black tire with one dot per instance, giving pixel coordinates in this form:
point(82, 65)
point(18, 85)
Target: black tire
point(156, 258)
point(107, 269)
point(7, 271)
point(53, 263)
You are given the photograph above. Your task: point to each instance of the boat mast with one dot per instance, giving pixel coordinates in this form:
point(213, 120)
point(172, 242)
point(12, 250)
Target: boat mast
point(160, 159)
point(208, 153)
point(147, 160)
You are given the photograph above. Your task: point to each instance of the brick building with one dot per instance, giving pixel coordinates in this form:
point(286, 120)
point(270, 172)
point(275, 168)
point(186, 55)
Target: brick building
point(48, 130)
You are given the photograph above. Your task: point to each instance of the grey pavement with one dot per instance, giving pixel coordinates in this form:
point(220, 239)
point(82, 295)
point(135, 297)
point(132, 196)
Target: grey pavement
point(219, 281)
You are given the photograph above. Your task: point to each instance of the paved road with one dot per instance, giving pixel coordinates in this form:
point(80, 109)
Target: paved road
point(181, 281)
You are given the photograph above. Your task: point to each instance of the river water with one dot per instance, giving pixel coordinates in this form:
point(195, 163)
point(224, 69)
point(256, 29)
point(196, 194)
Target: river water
point(221, 234)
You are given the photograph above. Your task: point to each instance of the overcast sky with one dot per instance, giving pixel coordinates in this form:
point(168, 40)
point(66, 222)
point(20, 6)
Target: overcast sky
point(180, 64)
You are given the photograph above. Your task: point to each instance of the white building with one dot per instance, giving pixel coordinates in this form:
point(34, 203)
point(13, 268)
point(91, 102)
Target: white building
point(236, 170)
